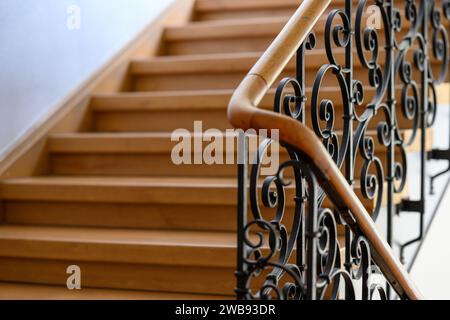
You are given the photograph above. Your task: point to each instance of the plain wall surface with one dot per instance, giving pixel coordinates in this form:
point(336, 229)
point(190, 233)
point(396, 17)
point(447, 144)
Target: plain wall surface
point(434, 257)
point(42, 60)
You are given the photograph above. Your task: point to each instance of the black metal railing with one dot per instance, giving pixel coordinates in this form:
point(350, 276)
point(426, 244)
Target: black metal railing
point(372, 100)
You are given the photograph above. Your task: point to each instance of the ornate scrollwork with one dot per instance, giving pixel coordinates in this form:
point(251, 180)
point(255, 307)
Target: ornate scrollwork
point(439, 41)
point(297, 244)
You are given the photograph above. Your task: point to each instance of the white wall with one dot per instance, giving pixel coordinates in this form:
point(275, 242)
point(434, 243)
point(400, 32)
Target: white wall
point(42, 60)
point(430, 270)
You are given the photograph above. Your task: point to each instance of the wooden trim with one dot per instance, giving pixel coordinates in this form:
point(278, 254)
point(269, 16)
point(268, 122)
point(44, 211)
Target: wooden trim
point(243, 113)
point(28, 155)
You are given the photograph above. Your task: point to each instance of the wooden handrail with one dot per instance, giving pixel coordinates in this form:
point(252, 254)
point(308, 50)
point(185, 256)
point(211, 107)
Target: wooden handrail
point(244, 114)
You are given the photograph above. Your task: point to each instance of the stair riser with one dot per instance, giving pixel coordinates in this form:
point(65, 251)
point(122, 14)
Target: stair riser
point(121, 276)
point(181, 82)
point(240, 43)
point(153, 165)
point(284, 9)
point(212, 112)
point(156, 121)
point(134, 216)
point(258, 44)
point(207, 10)
point(228, 72)
point(244, 14)
point(23, 291)
point(281, 11)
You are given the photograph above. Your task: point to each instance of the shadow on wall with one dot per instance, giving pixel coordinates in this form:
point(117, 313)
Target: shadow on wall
point(50, 47)
point(432, 257)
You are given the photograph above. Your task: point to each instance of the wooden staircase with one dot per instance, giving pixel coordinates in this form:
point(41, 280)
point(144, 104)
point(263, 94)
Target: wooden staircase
point(114, 204)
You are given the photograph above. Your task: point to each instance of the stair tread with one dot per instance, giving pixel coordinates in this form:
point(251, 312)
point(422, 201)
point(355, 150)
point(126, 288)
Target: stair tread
point(80, 185)
point(22, 291)
point(260, 26)
point(155, 190)
point(248, 20)
point(202, 57)
point(123, 181)
point(232, 5)
point(239, 27)
point(211, 6)
point(119, 236)
point(224, 62)
point(159, 142)
point(124, 143)
point(181, 248)
point(180, 100)
point(210, 63)
point(230, 62)
point(162, 100)
point(195, 190)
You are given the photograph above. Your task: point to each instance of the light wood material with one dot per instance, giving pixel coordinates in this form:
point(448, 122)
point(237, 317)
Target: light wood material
point(170, 110)
point(232, 9)
point(220, 71)
point(170, 190)
point(233, 5)
point(99, 185)
point(18, 291)
point(236, 35)
point(243, 113)
point(149, 154)
point(126, 276)
point(182, 248)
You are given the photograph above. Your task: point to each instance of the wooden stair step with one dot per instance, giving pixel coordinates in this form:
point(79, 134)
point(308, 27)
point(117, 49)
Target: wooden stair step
point(236, 35)
point(246, 35)
point(226, 71)
point(162, 100)
point(171, 110)
point(236, 5)
point(226, 29)
point(149, 154)
point(126, 276)
point(216, 63)
point(131, 202)
point(128, 201)
point(160, 142)
point(221, 71)
point(182, 248)
point(207, 63)
point(169, 190)
point(244, 13)
point(21, 291)
point(184, 100)
point(235, 28)
point(113, 143)
point(120, 259)
point(142, 190)
point(42, 257)
point(232, 9)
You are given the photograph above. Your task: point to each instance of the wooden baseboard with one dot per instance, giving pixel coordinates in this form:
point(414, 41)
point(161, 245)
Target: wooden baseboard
point(28, 155)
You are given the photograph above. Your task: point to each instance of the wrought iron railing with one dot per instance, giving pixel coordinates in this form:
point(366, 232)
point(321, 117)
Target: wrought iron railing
point(307, 231)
